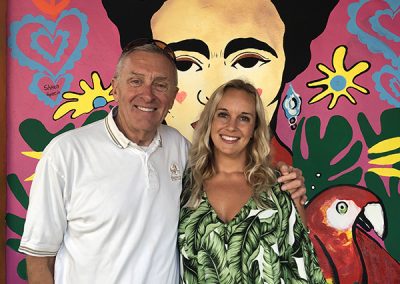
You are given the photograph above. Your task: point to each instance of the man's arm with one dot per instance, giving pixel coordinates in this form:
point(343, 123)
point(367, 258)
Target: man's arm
point(40, 269)
point(46, 219)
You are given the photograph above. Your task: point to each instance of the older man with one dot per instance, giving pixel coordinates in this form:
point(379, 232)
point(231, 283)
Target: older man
point(104, 203)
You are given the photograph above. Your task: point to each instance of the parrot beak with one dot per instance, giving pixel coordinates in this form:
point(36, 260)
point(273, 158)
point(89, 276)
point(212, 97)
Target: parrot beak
point(372, 217)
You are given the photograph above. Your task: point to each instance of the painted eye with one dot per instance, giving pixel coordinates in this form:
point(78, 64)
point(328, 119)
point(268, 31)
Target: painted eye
point(342, 207)
point(249, 61)
point(185, 64)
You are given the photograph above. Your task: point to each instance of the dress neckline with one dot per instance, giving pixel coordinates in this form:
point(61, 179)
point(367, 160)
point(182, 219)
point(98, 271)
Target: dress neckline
point(217, 217)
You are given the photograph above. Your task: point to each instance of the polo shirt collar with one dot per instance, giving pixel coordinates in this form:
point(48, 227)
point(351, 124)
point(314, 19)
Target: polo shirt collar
point(120, 139)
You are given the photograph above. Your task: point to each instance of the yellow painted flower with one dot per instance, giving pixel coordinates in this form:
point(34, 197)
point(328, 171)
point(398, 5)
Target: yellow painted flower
point(90, 99)
point(338, 81)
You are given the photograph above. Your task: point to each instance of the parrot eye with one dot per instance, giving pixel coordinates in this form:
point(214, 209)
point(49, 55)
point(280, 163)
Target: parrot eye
point(342, 207)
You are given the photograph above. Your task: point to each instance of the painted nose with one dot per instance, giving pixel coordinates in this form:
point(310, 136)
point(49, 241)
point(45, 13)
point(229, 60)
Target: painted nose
point(201, 97)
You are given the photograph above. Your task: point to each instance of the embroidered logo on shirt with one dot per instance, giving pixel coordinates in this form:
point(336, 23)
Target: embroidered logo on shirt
point(175, 172)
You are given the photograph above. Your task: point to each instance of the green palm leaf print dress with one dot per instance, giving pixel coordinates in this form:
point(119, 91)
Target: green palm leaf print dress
point(258, 246)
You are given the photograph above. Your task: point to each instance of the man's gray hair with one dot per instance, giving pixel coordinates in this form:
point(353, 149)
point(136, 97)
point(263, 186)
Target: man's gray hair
point(151, 48)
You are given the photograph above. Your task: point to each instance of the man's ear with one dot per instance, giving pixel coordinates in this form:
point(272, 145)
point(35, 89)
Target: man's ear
point(172, 102)
point(114, 92)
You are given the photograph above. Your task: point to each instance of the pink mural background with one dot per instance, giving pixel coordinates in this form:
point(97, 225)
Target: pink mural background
point(322, 48)
point(100, 54)
point(41, 62)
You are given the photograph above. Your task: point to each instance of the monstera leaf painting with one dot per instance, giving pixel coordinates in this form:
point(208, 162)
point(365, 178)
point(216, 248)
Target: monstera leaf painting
point(384, 154)
point(321, 167)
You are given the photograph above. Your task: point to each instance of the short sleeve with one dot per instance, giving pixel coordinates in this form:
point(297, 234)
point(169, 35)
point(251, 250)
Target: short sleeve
point(46, 219)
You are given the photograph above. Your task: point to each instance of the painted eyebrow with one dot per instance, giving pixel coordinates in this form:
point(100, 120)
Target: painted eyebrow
point(250, 42)
point(192, 45)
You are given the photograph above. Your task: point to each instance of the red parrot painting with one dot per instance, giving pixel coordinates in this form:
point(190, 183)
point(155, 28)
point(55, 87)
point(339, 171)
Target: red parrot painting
point(339, 219)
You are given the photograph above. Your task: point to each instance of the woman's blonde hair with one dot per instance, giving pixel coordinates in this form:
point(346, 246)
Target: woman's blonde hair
point(201, 161)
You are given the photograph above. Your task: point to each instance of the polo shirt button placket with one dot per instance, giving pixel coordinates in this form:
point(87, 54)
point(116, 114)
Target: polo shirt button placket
point(152, 175)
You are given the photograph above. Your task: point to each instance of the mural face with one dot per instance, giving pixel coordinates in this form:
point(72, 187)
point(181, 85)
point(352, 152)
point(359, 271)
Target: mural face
point(214, 43)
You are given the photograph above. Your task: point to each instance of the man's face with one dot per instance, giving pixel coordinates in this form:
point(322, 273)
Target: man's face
point(145, 90)
point(216, 41)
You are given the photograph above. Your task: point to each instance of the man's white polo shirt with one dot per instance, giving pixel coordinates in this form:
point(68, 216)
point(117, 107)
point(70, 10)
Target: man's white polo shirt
point(106, 208)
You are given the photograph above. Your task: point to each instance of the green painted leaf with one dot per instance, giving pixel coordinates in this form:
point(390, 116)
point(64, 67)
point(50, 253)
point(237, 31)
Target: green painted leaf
point(18, 190)
point(95, 116)
point(13, 244)
point(322, 169)
point(36, 135)
point(15, 223)
point(375, 183)
point(21, 269)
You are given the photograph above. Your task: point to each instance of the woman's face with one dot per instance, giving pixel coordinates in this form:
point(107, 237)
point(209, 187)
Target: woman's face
point(233, 124)
point(215, 42)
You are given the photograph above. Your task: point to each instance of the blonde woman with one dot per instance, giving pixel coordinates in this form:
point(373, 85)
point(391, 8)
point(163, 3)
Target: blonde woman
point(236, 225)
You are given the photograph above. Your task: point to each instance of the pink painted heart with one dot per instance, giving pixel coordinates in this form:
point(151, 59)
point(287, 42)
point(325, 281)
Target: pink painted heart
point(52, 45)
point(50, 89)
point(27, 46)
point(376, 23)
point(391, 23)
point(180, 97)
point(388, 85)
point(384, 25)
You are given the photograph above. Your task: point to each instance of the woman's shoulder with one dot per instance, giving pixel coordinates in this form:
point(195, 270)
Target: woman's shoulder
point(276, 196)
point(275, 191)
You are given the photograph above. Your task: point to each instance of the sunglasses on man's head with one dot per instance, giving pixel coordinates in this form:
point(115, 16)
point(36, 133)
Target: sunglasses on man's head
point(158, 43)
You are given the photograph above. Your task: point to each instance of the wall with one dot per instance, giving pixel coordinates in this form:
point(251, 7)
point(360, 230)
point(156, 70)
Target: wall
point(2, 137)
point(331, 86)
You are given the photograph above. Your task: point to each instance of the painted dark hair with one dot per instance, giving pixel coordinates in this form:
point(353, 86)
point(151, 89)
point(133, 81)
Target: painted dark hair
point(304, 21)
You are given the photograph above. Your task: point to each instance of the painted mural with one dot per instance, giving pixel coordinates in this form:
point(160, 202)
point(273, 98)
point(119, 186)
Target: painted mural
point(328, 72)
